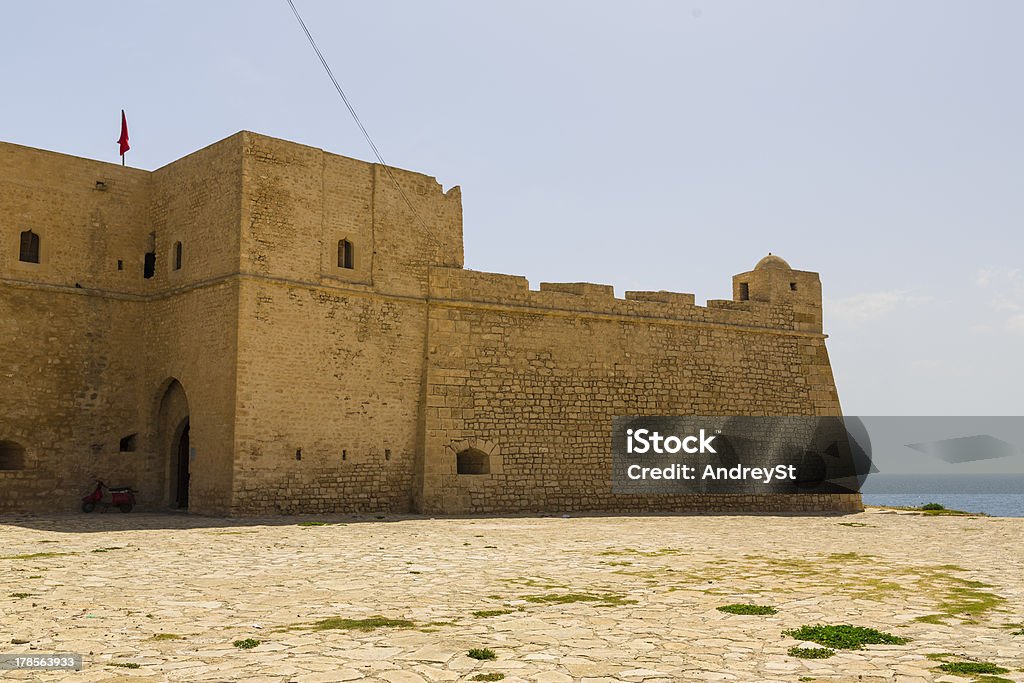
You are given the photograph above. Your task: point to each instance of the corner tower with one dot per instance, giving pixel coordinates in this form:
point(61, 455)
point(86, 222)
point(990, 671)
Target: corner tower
point(773, 281)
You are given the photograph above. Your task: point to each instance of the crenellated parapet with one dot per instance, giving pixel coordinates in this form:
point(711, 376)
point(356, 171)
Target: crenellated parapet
point(772, 299)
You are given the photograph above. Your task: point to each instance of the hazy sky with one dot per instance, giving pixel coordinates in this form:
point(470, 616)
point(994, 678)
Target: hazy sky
point(648, 145)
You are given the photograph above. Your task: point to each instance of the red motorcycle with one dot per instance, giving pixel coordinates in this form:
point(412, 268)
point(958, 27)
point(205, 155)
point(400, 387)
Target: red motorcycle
point(122, 498)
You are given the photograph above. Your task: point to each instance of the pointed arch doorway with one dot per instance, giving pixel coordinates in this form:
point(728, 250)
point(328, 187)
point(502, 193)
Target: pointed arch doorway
point(174, 437)
point(181, 472)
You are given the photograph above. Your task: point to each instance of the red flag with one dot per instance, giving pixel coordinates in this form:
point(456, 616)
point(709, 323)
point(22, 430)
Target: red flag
point(123, 140)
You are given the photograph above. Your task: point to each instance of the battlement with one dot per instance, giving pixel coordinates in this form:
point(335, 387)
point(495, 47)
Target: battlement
point(459, 286)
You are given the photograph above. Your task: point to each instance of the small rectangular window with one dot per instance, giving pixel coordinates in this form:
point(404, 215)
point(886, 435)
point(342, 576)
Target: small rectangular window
point(744, 291)
point(149, 266)
point(177, 255)
point(29, 252)
point(127, 444)
point(792, 286)
point(346, 257)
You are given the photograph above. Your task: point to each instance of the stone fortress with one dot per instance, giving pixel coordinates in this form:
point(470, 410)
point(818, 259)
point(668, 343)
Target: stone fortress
point(263, 327)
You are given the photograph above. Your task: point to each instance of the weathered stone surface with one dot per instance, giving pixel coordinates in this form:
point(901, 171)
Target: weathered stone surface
point(270, 579)
point(309, 386)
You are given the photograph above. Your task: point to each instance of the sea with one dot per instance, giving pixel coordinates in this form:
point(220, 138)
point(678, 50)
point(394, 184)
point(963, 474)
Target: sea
point(998, 495)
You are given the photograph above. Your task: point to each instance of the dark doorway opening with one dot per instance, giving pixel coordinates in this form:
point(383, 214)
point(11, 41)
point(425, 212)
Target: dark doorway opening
point(181, 485)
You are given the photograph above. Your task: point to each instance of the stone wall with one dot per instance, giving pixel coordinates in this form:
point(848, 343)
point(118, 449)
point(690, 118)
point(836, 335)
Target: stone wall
point(311, 385)
point(530, 381)
point(330, 359)
point(90, 343)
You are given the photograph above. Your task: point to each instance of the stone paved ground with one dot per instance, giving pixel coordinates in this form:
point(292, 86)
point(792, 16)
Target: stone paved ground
point(650, 587)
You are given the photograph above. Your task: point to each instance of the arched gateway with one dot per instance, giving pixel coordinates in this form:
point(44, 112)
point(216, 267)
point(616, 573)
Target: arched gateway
point(173, 439)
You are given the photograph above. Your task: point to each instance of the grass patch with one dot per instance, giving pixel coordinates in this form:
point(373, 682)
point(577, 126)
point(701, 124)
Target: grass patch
point(849, 557)
point(981, 672)
point(167, 636)
point(247, 644)
point(871, 588)
point(844, 636)
point(972, 668)
point(811, 652)
point(539, 582)
point(489, 677)
point(853, 524)
point(484, 613)
point(940, 511)
point(932, 619)
point(106, 550)
point(21, 596)
point(34, 556)
point(126, 665)
point(313, 523)
point(369, 624)
point(568, 598)
point(641, 553)
point(747, 609)
point(482, 654)
point(967, 598)
point(1018, 633)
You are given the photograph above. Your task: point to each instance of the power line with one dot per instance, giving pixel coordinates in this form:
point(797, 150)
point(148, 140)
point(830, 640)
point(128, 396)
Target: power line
point(352, 111)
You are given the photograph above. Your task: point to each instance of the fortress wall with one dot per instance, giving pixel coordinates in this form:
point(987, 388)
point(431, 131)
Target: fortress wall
point(407, 244)
point(338, 375)
point(533, 379)
point(331, 359)
point(192, 337)
point(69, 325)
point(83, 230)
point(90, 347)
point(373, 375)
point(71, 392)
point(300, 201)
point(196, 200)
point(458, 285)
point(191, 318)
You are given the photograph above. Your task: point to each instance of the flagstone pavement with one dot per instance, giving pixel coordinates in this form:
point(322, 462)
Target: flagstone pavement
point(595, 599)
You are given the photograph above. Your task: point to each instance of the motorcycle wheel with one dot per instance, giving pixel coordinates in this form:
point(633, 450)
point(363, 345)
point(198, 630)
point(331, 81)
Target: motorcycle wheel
point(125, 507)
point(88, 506)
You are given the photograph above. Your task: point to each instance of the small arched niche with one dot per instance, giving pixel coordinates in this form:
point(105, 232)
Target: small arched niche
point(12, 456)
point(472, 461)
